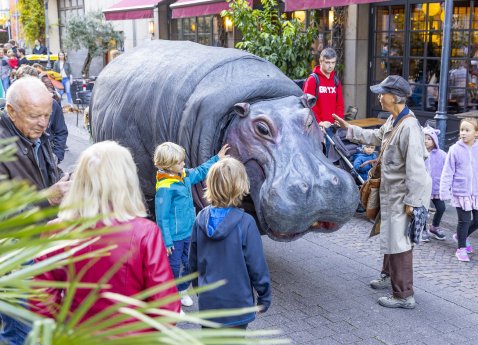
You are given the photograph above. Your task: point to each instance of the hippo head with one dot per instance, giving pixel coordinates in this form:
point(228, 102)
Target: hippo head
point(294, 187)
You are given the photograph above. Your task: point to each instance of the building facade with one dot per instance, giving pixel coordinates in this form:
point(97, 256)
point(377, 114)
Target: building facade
point(380, 38)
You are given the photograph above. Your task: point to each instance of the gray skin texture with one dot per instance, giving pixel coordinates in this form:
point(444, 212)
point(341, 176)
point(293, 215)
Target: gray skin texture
point(203, 97)
point(294, 187)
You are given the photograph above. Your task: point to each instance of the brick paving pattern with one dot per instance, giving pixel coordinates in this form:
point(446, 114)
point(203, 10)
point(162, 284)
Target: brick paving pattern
point(322, 296)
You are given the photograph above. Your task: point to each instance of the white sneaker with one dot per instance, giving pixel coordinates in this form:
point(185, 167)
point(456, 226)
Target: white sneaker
point(182, 313)
point(186, 301)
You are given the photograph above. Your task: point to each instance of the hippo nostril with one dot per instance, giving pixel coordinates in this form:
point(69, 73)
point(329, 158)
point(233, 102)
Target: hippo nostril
point(335, 180)
point(298, 189)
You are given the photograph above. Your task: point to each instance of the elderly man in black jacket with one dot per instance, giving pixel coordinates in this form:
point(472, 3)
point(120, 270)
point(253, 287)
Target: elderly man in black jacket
point(57, 130)
point(27, 117)
point(28, 112)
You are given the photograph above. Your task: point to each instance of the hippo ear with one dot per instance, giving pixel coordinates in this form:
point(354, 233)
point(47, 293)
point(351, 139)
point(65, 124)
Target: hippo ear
point(242, 109)
point(308, 100)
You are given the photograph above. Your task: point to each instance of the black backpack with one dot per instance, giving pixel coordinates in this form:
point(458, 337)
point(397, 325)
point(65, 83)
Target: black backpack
point(317, 84)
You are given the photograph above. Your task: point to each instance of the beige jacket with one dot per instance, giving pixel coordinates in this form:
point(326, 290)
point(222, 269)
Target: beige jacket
point(404, 179)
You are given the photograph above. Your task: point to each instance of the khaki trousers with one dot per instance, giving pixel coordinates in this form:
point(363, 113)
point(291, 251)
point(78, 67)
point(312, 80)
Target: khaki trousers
point(400, 269)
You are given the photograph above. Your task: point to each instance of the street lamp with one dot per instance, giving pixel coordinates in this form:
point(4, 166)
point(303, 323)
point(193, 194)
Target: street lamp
point(47, 35)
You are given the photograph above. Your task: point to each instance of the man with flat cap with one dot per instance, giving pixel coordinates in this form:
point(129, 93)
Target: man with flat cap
point(404, 190)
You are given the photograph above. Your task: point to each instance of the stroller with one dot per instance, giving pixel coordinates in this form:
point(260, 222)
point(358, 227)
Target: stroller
point(342, 153)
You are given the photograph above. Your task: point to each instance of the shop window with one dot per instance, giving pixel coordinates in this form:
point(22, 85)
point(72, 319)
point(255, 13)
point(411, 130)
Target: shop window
point(195, 29)
point(323, 19)
point(66, 10)
point(407, 40)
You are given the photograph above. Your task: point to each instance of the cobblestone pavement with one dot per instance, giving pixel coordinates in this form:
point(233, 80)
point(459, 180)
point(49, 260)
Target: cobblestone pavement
point(321, 293)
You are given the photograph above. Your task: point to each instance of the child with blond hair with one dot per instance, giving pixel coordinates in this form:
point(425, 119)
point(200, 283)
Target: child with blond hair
point(226, 244)
point(175, 211)
point(459, 182)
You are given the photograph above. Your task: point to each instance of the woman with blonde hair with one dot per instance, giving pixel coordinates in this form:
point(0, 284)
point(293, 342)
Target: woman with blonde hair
point(226, 244)
point(105, 183)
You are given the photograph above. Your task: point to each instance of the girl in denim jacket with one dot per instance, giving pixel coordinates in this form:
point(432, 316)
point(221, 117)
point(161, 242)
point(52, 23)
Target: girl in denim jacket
point(459, 183)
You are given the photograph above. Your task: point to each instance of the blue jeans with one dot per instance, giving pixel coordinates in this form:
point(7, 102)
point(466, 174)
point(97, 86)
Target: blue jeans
point(67, 89)
point(12, 331)
point(5, 84)
point(180, 255)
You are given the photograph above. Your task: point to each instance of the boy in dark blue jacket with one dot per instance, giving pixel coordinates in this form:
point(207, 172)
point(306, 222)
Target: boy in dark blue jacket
point(226, 244)
point(363, 161)
point(174, 205)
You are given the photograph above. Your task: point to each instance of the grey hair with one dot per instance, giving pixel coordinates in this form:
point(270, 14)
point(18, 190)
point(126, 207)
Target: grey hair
point(400, 99)
point(328, 53)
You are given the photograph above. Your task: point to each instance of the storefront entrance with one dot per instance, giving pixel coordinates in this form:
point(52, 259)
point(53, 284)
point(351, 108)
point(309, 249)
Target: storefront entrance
point(407, 40)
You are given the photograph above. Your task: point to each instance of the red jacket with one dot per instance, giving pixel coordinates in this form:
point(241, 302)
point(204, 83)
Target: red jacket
point(146, 265)
point(330, 99)
point(13, 62)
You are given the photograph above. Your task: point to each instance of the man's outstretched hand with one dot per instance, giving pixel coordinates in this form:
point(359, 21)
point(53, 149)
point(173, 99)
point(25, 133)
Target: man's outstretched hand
point(340, 122)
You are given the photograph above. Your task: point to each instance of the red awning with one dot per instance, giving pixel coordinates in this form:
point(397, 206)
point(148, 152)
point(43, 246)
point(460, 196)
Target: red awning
point(197, 8)
point(131, 9)
point(296, 5)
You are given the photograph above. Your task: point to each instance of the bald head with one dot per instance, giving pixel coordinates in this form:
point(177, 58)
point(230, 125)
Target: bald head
point(27, 90)
point(29, 106)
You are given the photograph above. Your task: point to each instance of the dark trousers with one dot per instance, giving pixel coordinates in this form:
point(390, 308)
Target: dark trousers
point(465, 225)
point(440, 209)
point(180, 255)
point(400, 269)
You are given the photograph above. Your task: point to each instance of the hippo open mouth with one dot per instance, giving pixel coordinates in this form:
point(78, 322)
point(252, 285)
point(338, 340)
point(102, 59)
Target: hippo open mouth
point(284, 230)
point(317, 227)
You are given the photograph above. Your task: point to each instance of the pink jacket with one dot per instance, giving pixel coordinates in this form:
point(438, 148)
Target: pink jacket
point(146, 265)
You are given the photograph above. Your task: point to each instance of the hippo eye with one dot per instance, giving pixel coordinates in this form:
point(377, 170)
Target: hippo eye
point(263, 129)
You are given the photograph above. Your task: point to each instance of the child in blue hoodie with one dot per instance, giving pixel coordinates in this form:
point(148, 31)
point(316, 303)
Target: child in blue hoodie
point(174, 205)
point(364, 161)
point(226, 244)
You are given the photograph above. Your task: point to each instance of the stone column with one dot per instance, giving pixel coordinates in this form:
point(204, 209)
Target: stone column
point(356, 58)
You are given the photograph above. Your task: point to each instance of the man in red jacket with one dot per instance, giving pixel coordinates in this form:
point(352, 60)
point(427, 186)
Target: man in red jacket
point(327, 88)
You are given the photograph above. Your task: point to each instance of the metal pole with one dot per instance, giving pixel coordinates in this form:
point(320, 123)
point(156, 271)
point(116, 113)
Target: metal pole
point(47, 35)
point(441, 114)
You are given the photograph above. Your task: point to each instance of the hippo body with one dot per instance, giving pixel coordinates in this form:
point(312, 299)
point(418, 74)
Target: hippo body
point(203, 97)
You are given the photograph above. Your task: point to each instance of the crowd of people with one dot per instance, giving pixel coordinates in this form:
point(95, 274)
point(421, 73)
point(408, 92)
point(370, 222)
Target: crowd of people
point(12, 58)
point(222, 242)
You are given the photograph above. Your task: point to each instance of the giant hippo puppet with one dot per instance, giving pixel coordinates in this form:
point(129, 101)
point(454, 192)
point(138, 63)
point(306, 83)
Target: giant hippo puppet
point(202, 97)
